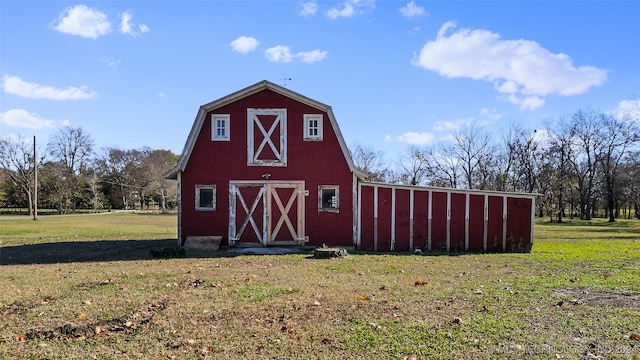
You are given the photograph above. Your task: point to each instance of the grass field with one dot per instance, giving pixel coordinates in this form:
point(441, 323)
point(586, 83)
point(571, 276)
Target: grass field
point(575, 296)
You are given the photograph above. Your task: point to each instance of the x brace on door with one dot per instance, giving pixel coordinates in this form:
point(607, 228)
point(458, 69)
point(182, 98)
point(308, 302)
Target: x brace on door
point(249, 219)
point(268, 194)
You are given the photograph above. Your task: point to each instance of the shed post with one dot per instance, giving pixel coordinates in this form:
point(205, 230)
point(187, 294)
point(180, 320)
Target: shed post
point(466, 221)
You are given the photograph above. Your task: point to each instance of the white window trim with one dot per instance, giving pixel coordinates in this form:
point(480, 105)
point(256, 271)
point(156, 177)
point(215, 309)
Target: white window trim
point(334, 187)
point(214, 127)
point(205, 187)
point(307, 118)
point(280, 125)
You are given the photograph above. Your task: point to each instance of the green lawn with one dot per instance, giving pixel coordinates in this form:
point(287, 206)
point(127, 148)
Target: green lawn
point(575, 296)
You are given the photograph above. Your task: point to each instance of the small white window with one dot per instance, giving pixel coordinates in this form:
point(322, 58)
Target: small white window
point(328, 198)
point(220, 126)
point(312, 126)
point(206, 197)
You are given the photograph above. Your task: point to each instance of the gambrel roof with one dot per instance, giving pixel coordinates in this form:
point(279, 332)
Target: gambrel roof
point(248, 91)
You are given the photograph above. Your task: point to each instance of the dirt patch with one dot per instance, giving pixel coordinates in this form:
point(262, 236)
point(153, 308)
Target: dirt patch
point(583, 296)
point(135, 320)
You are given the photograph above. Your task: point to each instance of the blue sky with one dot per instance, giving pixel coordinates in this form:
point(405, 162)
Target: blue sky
point(396, 73)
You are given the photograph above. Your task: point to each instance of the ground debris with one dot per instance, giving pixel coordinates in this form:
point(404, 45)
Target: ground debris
point(581, 296)
point(325, 252)
point(136, 319)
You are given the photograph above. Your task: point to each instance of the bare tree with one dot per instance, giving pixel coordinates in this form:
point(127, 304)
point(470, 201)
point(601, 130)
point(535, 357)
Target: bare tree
point(71, 150)
point(442, 167)
point(72, 147)
point(474, 148)
point(156, 164)
point(413, 166)
point(585, 130)
point(618, 137)
point(556, 164)
point(371, 162)
point(16, 161)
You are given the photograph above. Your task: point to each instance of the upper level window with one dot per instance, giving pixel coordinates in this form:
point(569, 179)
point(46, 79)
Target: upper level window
point(312, 126)
point(266, 137)
point(220, 126)
point(206, 197)
point(328, 198)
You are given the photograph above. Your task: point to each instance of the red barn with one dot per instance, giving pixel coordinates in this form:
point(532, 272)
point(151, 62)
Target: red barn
point(267, 166)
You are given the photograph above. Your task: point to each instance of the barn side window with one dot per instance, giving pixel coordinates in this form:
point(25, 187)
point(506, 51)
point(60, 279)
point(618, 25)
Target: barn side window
point(328, 198)
point(220, 124)
point(206, 197)
point(312, 127)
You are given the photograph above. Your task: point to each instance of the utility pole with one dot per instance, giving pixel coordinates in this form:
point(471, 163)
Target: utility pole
point(35, 181)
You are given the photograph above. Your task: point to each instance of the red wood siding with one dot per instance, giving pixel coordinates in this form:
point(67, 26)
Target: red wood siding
point(494, 225)
point(476, 222)
point(519, 224)
point(384, 219)
point(439, 221)
point(420, 219)
point(367, 223)
point(458, 228)
point(315, 162)
point(457, 232)
point(403, 220)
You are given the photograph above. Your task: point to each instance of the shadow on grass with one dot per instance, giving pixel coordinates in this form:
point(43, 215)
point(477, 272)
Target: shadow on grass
point(81, 251)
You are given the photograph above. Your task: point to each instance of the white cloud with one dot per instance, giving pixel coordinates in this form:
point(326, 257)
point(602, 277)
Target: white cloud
point(283, 54)
point(244, 44)
point(490, 114)
point(280, 53)
point(128, 27)
point(412, 10)
point(17, 86)
point(522, 70)
point(110, 61)
point(445, 125)
point(24, 119)
point(161, 94)
point(311, 56)
point(351, 8)
point(413, 138)
point(309, 9)
point(83, 21)
point(628, 109)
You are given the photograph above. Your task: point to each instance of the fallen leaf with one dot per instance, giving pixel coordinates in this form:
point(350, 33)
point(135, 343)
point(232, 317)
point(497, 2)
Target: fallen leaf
point(21, 337)
point(420, 283)
point(364, 297)
point(80, 317)
point(635, 336)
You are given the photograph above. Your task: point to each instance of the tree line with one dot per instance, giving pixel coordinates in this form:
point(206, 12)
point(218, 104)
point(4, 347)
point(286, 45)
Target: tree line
point(583, 165)
point(73, 175)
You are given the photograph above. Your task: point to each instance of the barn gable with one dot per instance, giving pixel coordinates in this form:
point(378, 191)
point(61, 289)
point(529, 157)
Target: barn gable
point(266, 166)
point(201, 117)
